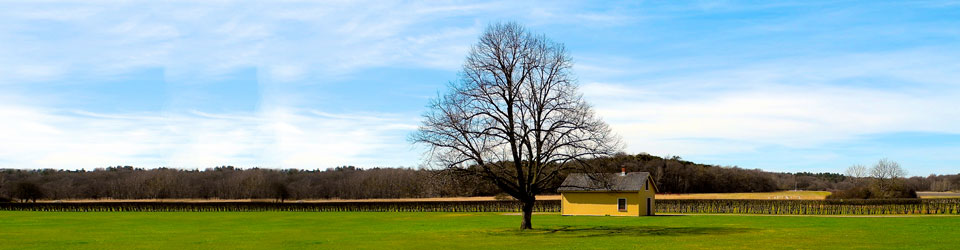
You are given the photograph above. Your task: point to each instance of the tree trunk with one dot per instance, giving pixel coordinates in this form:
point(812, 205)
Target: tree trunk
point(527, 214)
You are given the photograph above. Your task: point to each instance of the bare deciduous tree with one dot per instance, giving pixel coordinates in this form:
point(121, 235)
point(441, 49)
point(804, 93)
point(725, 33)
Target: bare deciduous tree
point(857, 172)
point(27, 191)
point(515, 117)
point(885, 172)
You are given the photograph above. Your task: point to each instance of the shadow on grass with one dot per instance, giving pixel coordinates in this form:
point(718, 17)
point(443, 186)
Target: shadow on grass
point(608, 231)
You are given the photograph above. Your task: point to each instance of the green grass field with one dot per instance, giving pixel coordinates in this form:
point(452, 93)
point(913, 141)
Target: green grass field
point(205, 230)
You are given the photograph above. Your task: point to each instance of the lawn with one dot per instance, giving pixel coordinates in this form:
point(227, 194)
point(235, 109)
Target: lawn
point(204, 230)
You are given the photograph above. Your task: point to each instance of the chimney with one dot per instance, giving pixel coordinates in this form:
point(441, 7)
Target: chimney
point(623, 171)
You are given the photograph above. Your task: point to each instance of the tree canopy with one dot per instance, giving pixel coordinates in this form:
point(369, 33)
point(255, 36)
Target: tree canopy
point(515, 116)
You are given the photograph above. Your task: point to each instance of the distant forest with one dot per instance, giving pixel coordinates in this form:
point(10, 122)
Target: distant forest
point(673, 175)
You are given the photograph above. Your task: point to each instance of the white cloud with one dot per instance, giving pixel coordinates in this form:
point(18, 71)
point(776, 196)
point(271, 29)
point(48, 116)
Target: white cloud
point(794, 103)
point(211, 39)
point(208, 39)
point(599, 89)
point(285, 138)
point(196, 42)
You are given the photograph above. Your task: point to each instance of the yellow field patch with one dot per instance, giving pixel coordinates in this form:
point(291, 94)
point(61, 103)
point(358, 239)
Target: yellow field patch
point(938, 195)
point(782, 195)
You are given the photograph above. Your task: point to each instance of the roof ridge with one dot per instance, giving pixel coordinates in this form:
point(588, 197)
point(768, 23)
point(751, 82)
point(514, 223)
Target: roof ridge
point(604, 181)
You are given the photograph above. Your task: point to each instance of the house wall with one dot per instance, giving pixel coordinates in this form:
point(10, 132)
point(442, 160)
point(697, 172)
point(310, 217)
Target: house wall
point(649, 192)
point(603, 203)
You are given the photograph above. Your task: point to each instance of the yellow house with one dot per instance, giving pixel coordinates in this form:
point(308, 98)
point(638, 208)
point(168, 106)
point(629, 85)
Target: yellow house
point(622, 194)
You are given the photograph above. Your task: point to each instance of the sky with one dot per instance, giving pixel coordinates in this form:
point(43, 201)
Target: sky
point(780, 86)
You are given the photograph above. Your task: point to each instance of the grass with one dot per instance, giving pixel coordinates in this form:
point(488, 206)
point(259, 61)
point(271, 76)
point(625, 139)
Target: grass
point(206, 230)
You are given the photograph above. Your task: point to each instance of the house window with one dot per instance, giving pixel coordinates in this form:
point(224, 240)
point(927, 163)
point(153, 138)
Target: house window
point(646, 185)
point(622, 204)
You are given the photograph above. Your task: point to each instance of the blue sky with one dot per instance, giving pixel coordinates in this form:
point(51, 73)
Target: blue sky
point(785, 86)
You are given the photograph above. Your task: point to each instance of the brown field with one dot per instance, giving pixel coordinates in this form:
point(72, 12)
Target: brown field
point(783, 195)
point(938, 195)
point(478, 198)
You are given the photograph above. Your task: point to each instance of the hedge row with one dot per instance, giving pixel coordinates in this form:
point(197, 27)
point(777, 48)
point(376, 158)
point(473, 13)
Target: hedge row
point(777, 207)
point(812, 207)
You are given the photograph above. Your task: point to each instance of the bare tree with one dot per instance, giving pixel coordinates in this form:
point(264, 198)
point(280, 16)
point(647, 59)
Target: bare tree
point(280, 191)
point(515, 117)
point(857, 172)
point(27, 191)
point(3, 180)
point(885, 173)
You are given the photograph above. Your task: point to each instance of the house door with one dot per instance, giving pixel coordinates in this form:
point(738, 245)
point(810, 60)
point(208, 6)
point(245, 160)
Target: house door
point(648, 207)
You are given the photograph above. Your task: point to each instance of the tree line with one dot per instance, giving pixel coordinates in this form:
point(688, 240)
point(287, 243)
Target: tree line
point(228, 182)
point(672, 174)
point(886, 180)
point(698, 206)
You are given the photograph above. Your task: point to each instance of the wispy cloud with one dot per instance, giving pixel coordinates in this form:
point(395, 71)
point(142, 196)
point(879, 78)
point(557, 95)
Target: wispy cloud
point(798, 102)
point(274, 138)
point(294, 40)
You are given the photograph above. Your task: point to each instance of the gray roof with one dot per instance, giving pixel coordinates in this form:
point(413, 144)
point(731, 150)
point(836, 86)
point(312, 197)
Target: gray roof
point(632, 181)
